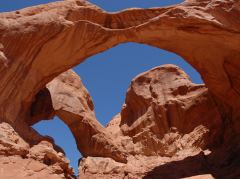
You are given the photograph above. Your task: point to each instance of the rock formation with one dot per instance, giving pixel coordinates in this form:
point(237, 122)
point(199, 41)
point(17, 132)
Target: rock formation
point(163, 106)
point(165, 118)
point(72, 103)
point(20, 160)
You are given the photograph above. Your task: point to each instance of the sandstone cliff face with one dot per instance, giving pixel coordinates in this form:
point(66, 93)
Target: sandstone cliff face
point(160, 122)
point(163, 106)
point(165, 118)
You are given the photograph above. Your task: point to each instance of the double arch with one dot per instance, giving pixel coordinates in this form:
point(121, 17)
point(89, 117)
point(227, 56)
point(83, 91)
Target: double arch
point(73, 30)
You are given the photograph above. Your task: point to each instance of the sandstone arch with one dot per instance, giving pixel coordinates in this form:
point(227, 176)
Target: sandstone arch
point(72, 103)
point(87, 30)
point(39, 43)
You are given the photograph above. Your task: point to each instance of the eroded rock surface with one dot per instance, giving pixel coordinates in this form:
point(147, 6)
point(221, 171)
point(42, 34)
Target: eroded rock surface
point(165, 118)
point(39, 43)
point(164, 112)
point(20, 160)
point(73, 104)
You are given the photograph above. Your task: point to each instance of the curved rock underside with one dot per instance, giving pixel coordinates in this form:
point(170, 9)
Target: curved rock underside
point(167, 123)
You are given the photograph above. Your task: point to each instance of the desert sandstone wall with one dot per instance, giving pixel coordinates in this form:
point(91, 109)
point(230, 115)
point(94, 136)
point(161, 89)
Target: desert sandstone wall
point(166, 117)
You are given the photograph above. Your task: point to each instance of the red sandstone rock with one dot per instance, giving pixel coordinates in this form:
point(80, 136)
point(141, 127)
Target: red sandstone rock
point(21, 161)
point(61, 35)
point(165, 118)
point(163, 107)
point(74, 106)
point(39, 43)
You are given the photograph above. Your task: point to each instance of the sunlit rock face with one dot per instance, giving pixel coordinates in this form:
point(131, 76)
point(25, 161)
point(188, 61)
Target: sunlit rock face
point(73, 104)
point(18, 159)
point(165, 112)
point(165, 118)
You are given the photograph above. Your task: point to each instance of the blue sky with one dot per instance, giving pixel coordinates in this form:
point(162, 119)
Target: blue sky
point(107, 75)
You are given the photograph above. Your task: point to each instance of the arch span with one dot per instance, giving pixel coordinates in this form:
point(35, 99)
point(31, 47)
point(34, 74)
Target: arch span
point(37, 46)
point(67, 97)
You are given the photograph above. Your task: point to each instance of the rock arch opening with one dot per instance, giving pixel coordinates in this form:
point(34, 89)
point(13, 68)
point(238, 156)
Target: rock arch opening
point(107, 75)
point(112, 70)
point(34, 53)
point(62, 136)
